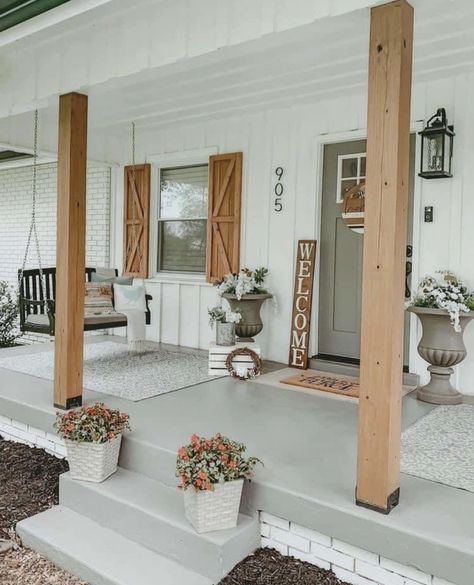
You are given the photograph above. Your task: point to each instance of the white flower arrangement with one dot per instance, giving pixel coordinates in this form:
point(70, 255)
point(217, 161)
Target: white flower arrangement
point(246, 282)
point(448, 294)
point(221, 315)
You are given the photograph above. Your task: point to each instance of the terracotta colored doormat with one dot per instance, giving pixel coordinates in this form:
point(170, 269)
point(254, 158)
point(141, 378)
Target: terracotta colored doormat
point(318, 381)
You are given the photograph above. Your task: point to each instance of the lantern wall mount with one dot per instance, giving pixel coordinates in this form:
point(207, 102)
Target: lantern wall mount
point(437, 147)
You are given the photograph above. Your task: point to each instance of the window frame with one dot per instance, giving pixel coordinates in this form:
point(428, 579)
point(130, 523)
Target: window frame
point(340, 160)
point(160, 162)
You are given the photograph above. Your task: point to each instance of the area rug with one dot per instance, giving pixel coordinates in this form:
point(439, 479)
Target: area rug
point(325, 382)
point(110, 368)
point(440, 447)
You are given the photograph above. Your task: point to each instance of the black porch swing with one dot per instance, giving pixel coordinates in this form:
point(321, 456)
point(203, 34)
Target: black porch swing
point(37, 286)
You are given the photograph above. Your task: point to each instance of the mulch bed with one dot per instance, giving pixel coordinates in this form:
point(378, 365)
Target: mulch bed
point(29, 480)
point(268, 567)
point(30, 483)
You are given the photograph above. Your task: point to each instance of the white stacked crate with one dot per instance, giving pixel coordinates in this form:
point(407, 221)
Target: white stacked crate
point(219, 353)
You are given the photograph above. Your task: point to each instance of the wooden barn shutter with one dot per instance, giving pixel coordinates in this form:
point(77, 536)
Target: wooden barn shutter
point(136, 213)
point(223, 227)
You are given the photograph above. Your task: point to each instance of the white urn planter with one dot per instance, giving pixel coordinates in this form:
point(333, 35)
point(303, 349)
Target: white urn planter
point(93, 461)
point(442, 347)
point(214, 510)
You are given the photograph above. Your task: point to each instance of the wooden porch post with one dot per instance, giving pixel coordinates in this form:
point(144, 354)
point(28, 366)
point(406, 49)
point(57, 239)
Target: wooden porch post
point(70, 262)
point(388, 143)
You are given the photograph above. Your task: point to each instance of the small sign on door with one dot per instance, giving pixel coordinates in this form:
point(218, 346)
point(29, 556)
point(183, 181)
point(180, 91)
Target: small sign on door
point(302, 301)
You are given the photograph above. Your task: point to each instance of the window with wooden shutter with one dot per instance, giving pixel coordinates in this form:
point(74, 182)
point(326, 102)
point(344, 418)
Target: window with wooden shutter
point(136, 220)
point(223, 225)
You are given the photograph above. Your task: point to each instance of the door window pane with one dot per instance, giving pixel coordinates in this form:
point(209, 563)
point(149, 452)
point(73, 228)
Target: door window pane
point(349, 167)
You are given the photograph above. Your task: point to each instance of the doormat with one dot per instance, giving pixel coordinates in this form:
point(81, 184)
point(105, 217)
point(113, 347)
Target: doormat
point(110, 368)
point(317, 381)
point(440, 447)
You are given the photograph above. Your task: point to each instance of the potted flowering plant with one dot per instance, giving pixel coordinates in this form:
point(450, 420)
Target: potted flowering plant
point(246, 292)
point(93, 435)
point(212, 473)
point(225, 321)
point(444, 306)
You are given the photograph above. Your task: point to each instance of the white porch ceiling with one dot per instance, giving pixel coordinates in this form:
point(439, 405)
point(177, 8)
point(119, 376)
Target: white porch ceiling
point(310, 63)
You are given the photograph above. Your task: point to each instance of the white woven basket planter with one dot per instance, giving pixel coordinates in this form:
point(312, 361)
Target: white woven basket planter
point(93, 461)
point(216, 510)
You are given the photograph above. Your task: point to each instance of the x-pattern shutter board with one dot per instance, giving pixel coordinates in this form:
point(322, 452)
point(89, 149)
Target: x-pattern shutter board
point(224, 186)
point(221, 247)
point(136, 199)
point(134, 248)
point(223, 228)
point(135, 222)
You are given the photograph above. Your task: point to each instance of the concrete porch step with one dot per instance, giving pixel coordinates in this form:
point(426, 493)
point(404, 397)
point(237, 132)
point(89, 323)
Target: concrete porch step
point(98, 555)
point(152, 514)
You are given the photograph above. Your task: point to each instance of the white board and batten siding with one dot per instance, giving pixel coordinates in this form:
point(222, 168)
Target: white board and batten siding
point(292, 138)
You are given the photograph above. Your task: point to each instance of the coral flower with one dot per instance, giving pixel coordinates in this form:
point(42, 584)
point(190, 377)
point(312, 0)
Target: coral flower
point(195, 439)
point(183, 453)
point(202, 475)
point(232, 464)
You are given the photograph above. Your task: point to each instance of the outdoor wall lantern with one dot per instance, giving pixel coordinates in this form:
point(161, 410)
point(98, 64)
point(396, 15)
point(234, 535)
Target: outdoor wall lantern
point(437, 147)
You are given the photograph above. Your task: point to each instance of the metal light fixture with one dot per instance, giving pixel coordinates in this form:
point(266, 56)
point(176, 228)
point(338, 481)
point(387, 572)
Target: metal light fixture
point(437, 147)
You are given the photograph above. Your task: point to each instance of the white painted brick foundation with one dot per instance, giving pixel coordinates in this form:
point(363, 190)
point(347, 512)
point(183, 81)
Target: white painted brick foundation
point(12, 430)
point(350, 564)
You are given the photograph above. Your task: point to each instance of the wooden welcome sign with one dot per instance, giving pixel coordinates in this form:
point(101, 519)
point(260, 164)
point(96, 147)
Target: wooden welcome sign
point(302, 301)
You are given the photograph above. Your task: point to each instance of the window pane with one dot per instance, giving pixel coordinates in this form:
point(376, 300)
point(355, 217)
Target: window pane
point(182, 245)
point(184, 192)
point(349, 167)
point(346, 186)
point(362, 166)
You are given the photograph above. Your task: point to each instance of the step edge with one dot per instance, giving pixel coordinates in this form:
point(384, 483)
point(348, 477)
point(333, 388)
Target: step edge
point(180, 524)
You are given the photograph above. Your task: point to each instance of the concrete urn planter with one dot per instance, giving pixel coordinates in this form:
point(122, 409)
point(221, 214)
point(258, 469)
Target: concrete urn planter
point(442, 347)
point(249, 307)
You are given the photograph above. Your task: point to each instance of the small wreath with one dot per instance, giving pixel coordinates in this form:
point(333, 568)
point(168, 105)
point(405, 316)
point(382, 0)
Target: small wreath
point(249, 373)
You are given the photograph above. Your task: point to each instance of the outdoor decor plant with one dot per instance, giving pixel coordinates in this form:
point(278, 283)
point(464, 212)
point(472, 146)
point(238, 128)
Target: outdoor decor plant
point(218, 314)
point(447, 293)
point(204, 463)
point(91, 424)
point(9, 332)
point(93, 436)
point(246, 282)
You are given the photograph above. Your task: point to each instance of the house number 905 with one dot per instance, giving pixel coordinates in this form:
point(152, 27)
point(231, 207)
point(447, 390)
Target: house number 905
point(278, 190)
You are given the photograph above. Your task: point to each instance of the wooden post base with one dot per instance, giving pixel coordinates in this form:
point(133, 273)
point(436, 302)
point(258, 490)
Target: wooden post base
point(392, 501)
point(73, 402)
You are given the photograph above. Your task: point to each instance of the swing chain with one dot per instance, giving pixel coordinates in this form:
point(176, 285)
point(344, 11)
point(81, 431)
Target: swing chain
point(33, 231)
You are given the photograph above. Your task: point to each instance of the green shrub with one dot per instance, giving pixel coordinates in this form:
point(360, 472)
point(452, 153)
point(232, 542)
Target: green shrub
point(9, 331)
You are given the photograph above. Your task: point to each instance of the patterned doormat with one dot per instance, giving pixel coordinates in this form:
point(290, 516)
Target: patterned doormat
point(440, 447)
point(325, 382)
point(110, 368)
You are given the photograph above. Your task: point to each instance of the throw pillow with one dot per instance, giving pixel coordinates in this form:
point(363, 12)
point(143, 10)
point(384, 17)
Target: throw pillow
point(98, 299)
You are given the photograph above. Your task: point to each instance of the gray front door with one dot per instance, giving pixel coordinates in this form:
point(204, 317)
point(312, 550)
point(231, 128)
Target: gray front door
point(340, 288)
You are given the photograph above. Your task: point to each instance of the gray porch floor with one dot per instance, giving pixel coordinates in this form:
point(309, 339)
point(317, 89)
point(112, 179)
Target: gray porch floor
point(308, 445)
